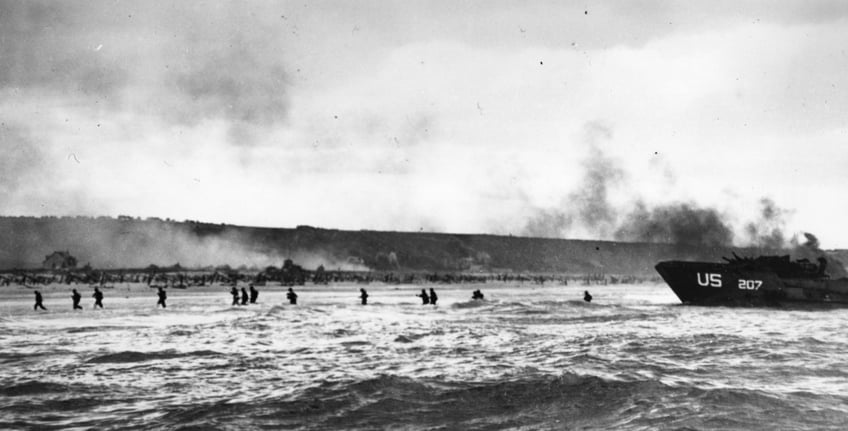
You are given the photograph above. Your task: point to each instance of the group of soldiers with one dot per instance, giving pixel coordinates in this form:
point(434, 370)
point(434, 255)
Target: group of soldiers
point(428, 299)
point(243, 297)
point(76, 298)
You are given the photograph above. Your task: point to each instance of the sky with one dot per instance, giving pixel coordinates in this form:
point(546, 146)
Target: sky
point(560, 119)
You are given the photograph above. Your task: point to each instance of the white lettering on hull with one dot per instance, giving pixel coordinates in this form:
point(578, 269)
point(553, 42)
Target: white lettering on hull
point(708, 279)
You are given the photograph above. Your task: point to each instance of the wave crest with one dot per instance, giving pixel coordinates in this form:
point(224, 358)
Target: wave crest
point(133, 356)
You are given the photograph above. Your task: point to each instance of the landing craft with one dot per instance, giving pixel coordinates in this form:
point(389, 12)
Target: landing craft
point(760, 281)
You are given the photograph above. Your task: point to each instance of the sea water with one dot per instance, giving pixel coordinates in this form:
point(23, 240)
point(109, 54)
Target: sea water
point(527, 357)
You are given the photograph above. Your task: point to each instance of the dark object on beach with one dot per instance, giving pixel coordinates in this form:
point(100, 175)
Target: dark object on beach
point(760, 281)
point(244, 296)
point(364, 296)
point(76, 297)
point(253, 294)
point(235, 294)
point(477, 295)
point(433, 297)
point(291, 296)
point(59, 260)
point(98, 298)
point(38, 303)
point(162, 297)
point(586, 296)
point(424, 298)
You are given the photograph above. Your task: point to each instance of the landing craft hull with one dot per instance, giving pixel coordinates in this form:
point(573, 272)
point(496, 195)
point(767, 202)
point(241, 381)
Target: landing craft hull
point(705, 283)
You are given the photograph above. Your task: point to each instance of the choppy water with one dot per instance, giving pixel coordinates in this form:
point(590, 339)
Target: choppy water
point(526, 358)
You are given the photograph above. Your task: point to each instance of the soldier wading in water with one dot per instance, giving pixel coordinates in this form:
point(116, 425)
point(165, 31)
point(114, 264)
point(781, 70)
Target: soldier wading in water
point(235, 294)
point(424, 298)
point(38, 303)
point(76, 297)
point(98, 298)
point(253, 294)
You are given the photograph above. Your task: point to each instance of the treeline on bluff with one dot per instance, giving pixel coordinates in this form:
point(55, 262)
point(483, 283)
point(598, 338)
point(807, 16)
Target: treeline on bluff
point(126, 242)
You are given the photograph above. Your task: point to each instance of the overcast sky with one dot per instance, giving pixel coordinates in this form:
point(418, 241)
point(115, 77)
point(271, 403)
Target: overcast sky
point(442, 116)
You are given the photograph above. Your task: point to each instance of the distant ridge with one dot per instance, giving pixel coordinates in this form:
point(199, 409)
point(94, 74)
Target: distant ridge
point(127, 242)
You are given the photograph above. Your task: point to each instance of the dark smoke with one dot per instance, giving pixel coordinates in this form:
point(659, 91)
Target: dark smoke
point(767, 231)
point(810, 250)
point(683, 223)
point(680, 223)
point(812, 242)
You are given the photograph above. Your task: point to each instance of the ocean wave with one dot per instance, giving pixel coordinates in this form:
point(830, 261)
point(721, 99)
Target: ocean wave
point(84, 329)
point(299, 309)
point(33, 387)
point(471, 304)
point(232, 309)
point(340, 333)
point(182, 333)
point(539, 402)
point(409, 338)
point(132, 356)
point(569, 400)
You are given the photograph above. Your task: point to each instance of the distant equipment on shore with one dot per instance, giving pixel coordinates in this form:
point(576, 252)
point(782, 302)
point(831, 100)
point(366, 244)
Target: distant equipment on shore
point(59, 260)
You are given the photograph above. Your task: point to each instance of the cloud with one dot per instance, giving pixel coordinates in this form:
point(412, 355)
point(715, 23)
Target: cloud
point(398, 116)
point(156, 59)
point(234, 83)
point(20, 159)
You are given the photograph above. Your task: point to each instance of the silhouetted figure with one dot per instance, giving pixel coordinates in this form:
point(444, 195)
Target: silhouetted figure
point(76, 297)
point(477, 295)
point(98, 298)
point(433, 297)
point(162, 297)
point(235, 294)
point(822, 266)
point(586, 296)
point(253, 294)
point(291, 296)
point(363, 295)
point(38, 303)
point(244, 296)
point(424, 298)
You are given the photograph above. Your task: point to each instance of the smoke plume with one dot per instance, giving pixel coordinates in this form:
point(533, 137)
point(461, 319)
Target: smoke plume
point(548, 224)
point(593, 209)
point(680, 223)
point(767, 231)
point(588, 208)
point(108, 243)
point(809, 249)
